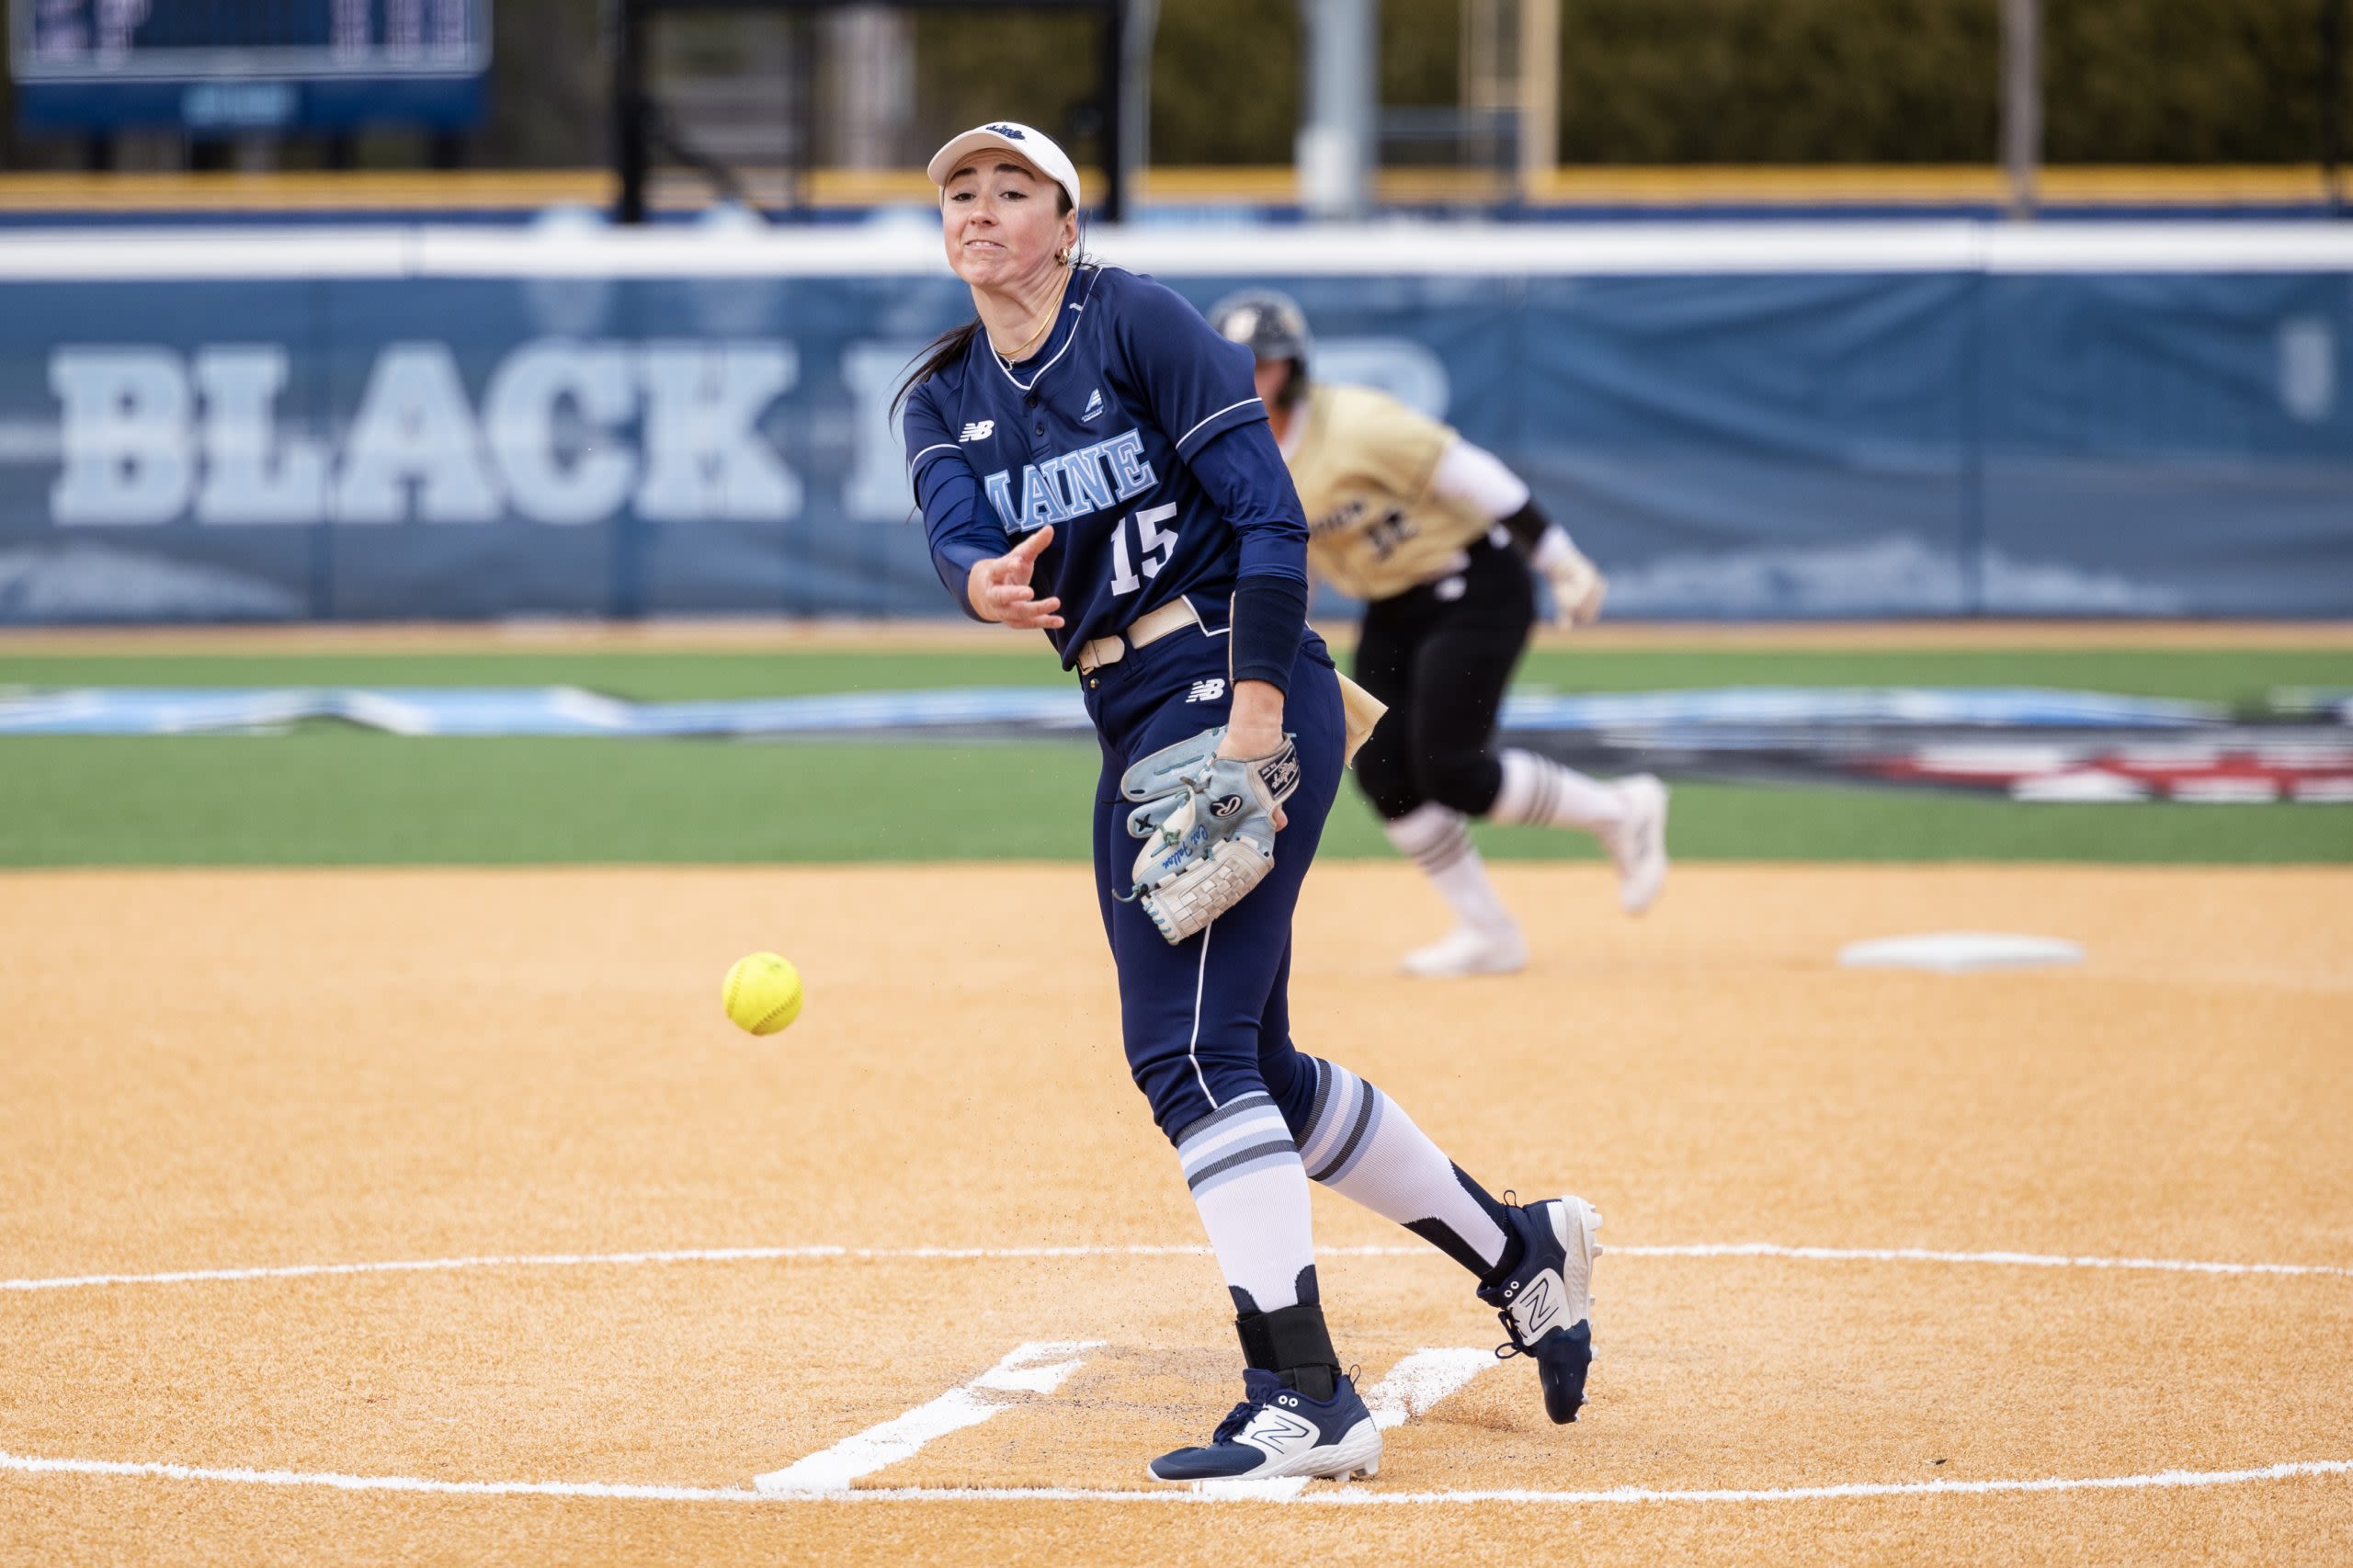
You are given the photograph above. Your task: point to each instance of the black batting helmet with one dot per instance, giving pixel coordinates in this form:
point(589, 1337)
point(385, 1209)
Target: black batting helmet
point(1272, 327)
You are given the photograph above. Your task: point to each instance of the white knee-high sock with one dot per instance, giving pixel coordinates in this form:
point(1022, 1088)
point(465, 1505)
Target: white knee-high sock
point(1541, 791)
point(1360, 1143)
point(1434, 838)
point(1252, 1191)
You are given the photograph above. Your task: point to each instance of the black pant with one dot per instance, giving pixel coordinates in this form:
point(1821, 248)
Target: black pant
point(1440, 657)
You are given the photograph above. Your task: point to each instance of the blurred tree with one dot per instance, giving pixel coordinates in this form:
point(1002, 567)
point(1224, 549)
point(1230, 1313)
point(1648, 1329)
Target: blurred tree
point(1225, 81)
point(1034, 66)
point(2182, 81)
point(1915, 81)
point(1421, 54)
point(1643, 81)
point(1795, 81)
point(1779, 81)
point(549, 74)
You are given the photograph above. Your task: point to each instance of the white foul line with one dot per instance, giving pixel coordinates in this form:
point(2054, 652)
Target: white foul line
point(981, 1254)
point(1346, 1496)
point(600, 1259)
point(1039, 1367)
point(2005, 1259)
point(1412, 1387)
point(1416, 1383)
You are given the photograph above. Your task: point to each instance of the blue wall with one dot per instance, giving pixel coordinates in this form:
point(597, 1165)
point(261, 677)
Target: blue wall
point(1833, 444)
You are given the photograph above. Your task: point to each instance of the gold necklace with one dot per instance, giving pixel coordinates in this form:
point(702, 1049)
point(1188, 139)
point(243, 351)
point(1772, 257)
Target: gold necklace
point(1010, 355)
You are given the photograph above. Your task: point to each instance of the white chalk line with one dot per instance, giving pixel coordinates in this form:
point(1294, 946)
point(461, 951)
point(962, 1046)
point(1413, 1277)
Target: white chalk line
point(948, 1255)
point(1417, 1382)
point(1420, 1380)
point(1443, 1368)
point(1038, 1367)
point(1344, 1496)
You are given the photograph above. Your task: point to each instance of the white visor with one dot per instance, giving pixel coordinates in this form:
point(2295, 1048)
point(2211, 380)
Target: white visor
point(1032, 146)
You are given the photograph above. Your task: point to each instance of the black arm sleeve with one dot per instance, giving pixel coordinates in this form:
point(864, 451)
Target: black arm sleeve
point(1243, 472)
point(1527, 526)
point(1268, 615)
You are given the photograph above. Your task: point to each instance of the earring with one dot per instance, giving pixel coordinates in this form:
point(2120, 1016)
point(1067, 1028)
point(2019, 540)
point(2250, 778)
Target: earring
point(1061, 257)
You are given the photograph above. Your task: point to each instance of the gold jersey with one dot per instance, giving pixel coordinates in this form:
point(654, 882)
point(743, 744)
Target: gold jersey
point(1363, 464)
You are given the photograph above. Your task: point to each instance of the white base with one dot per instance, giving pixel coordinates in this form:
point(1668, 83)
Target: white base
point(1961, 952)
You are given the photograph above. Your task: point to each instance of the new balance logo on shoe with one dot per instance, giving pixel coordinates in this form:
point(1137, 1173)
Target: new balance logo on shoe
point(1094, 405)
point(979, 430)
point(1207, 690)
point(1278, 1433)
point(1537, 1310)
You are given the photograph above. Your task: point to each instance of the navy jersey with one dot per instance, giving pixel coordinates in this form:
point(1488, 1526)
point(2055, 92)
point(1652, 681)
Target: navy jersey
point(1106, 433)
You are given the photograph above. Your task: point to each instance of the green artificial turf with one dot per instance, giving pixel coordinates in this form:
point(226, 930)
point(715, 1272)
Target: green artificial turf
point(327, 793)
point(2209, 675)
point(653, 676)
point(332, 795)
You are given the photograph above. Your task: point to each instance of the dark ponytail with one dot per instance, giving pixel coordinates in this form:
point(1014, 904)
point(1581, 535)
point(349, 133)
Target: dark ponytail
point(957, 341)
point(937, 355)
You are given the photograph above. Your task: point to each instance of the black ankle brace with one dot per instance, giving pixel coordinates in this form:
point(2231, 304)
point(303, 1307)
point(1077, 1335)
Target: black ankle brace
point(1292, 1343)
point(1315, 1383)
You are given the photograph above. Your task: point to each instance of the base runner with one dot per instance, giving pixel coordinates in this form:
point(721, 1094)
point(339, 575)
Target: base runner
point(1438, 537)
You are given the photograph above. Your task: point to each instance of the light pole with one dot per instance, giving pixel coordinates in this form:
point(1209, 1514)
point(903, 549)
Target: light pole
point(2022, 100)
point(1335, 144)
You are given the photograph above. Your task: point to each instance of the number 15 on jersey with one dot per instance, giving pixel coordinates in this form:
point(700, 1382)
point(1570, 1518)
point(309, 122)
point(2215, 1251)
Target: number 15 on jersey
point(1153, 546)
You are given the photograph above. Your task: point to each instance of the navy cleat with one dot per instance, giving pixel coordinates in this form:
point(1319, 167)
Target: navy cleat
point(1276, 1431)
point(1546, 1303)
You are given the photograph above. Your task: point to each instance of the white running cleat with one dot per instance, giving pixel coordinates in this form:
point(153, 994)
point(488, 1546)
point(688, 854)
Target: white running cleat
point(1467, 950)
point(1638, 844)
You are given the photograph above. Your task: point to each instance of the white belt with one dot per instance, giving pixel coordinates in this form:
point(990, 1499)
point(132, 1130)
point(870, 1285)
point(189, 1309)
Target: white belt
point(1148, 627)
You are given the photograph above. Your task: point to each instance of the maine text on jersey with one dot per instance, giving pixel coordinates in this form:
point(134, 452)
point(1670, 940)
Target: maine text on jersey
point(1074, 485)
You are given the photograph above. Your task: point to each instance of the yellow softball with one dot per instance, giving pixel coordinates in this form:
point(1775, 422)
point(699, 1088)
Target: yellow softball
point(763, 992)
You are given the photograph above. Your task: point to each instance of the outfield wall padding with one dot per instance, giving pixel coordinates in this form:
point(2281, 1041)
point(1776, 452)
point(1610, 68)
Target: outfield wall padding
point(1782, 423)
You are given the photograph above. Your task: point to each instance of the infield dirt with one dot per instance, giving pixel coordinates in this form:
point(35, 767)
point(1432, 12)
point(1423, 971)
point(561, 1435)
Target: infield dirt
point(210, 1070)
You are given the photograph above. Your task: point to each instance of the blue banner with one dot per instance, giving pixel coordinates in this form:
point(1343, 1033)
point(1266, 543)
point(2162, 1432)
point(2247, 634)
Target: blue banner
point(1727, 444)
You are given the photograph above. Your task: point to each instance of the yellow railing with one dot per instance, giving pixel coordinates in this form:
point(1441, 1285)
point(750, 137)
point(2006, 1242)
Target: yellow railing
point(1880, 185)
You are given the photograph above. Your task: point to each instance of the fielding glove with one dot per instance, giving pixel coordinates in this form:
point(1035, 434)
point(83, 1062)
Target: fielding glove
point(1208, 824)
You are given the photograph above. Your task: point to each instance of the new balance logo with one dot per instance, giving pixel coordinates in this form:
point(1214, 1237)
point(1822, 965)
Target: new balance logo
point(1207, 690)
point(1537, 1310)
point(1094, 405)
point(979, 430)
point(1278, 1432)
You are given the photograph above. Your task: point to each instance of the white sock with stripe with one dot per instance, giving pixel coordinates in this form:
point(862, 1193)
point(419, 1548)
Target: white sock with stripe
point(1252, 1191)
point(1361, 1144)
point(1437, 839)
point(1541, 792)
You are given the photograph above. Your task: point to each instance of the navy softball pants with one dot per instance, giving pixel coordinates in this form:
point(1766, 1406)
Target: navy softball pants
point(1207, 1019)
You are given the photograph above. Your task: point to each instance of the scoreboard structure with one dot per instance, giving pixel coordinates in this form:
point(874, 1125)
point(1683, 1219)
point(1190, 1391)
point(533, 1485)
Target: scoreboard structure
point(228, 67)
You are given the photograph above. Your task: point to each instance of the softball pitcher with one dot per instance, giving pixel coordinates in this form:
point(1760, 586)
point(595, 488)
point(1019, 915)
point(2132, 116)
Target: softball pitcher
point(1437, 537)
point(1092, 462)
